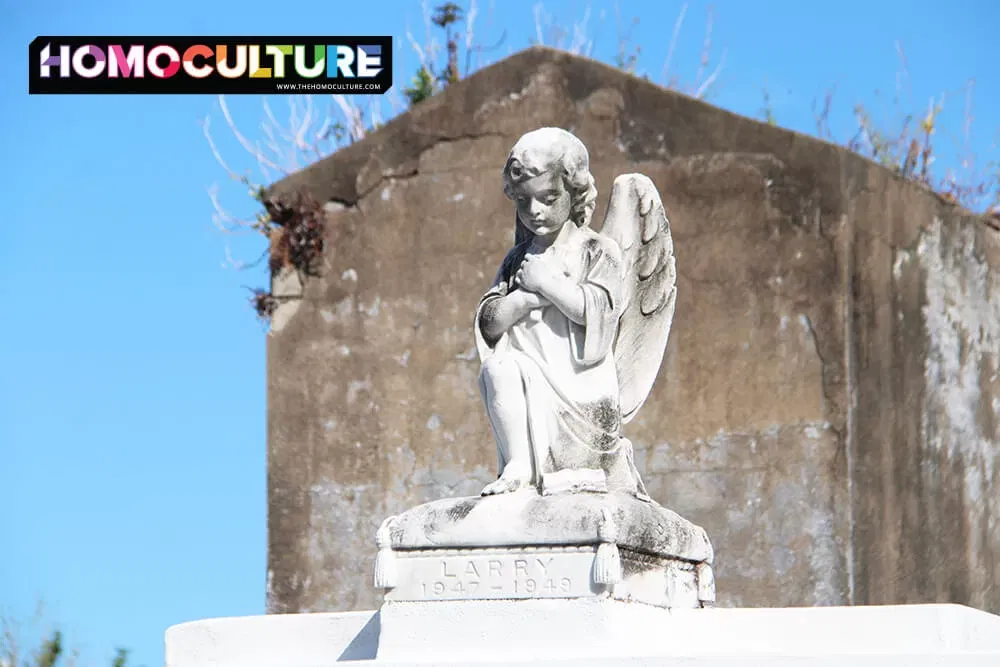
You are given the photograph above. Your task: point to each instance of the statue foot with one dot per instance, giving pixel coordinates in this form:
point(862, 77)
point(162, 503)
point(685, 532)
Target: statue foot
point(509, 481)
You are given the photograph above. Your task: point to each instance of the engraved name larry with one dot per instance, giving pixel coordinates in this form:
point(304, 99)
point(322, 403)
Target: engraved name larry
point(497, 576)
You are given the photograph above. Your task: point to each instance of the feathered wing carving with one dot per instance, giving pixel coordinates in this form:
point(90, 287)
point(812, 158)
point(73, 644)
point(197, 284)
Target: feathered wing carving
point(637, 221)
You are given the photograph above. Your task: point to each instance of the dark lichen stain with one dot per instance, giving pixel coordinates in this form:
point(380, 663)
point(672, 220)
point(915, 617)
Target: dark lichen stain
point(551, 513)
point(605, 413)
point(461, 509)
point(636, 562)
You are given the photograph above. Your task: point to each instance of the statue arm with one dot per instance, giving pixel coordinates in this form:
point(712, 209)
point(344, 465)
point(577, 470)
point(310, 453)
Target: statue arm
point(568, 297)
point(500, 313)
point(602, 293)
point(593, 298)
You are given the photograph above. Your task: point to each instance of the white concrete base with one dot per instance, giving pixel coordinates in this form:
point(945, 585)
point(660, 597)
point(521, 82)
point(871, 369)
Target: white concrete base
point(595, 632)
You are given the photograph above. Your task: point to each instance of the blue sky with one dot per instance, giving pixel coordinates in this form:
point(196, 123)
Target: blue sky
point(132, 389)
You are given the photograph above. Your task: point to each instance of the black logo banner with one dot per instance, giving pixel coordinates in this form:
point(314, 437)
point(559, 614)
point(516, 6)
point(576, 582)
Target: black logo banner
point(210, 65)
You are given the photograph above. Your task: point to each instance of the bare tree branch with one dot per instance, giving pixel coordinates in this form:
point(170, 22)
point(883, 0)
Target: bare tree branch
point(706, 49)
point(538, 9)
point(673, 42)
point(215, 150)
point(580, 43)
point(224, 221)
point(705, 87)
point(355, 119)
point(254, 150)
point(470, 20)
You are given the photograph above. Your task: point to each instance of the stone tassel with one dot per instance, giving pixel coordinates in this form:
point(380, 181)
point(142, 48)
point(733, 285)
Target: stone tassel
point(706, 584)
point(385, 559)
point(608, 563)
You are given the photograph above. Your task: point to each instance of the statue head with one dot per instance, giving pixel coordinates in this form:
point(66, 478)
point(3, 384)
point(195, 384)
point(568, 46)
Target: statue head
point(547, 176)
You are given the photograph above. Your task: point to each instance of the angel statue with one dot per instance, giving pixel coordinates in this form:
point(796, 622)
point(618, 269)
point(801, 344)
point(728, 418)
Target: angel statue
point(572, 333)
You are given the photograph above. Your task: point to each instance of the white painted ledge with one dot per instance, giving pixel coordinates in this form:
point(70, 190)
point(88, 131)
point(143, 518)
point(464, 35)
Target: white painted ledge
point(595, 632)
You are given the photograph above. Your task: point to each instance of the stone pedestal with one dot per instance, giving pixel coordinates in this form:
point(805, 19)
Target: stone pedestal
point(526, 545)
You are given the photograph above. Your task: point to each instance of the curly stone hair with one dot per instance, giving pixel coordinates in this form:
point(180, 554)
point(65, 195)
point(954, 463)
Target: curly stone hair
point(553, 149)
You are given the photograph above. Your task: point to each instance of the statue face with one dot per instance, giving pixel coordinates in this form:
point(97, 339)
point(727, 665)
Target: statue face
point(543, 203)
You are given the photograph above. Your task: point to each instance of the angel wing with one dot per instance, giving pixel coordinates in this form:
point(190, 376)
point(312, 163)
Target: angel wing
point(637, 221)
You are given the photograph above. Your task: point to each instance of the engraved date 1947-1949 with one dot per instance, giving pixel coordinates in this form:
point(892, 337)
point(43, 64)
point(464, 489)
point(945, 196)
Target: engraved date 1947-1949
point(497, 577)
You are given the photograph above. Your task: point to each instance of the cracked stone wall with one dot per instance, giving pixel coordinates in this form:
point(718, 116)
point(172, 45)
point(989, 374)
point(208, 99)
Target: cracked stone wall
point(828, 405)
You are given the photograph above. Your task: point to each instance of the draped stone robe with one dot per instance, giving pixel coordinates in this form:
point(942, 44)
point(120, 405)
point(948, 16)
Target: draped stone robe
point(568, 369)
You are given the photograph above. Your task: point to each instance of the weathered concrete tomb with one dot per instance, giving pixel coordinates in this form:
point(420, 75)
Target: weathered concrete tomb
point(829, 405)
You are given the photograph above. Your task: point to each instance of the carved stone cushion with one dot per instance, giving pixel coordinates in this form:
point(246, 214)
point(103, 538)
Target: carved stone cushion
point(527, 518)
